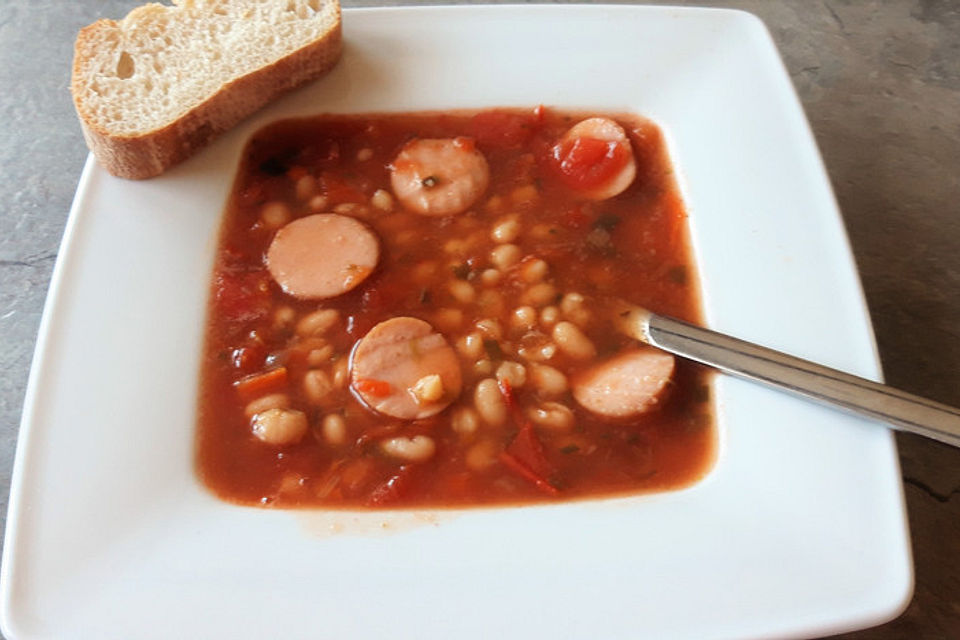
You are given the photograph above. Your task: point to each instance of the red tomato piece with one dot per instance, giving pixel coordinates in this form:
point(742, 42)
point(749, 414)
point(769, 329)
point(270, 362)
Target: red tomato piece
point(259, 385)
point(395, 487)
point(585, 163)
point(501, 130)
point(526, 457)
point(373, 387)
point(243, 296)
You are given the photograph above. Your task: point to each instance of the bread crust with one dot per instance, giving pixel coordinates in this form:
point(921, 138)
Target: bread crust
point(151, 153)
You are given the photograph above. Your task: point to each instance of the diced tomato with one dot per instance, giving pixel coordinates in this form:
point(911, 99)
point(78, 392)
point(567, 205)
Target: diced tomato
point(506, 390)
point(340, 191)
point(241, 297)
point(585, 163)
point(296, 172)
point(525, 472)
point(501, 129)
point(248, 357)
point(539, 113)
point(252, 195)
point(395, 487)
point(575, 218)
point(379, 388)
point(261, 384)
point(526, 457)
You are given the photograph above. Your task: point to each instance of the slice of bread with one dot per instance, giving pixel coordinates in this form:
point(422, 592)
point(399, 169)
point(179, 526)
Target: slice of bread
point(155, 87)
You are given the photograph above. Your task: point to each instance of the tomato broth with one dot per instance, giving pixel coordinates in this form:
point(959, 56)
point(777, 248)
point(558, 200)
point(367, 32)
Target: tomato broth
point(484, 285)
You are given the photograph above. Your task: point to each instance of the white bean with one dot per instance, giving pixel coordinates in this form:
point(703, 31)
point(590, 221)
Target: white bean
point(283, 317)
point(547, 381)
point(552, 415)
point(317, 322)
point(483, 367)
point(280, 426)
point(506, 230)
point(382, 200)
point(490, 301)
point(318, 203)
point(572, 341)
point(320, 355)
point(534, 270)
point(549, 316)
point(470, 346)
point(505, 256)
point(574, 308)
point(489, 402)
point(490, 277)
point(490, 327)
point(462, 291)
point(512, 372)
point(415, 449)
point(524, 317)
point(334, 428)
point(465, 421)
point(341, 372)
point(272, 401)
point(306, 187)
point(481, 455)
point(274, 215)
point(317, 386)
point(540, 294)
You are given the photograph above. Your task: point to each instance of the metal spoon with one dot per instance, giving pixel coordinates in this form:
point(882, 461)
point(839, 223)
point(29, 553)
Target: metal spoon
point(902, 410)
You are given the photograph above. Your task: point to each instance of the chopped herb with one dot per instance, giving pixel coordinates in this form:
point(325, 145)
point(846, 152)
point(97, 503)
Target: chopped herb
point(273, 167)
point(424, 296)
point(570, 448)
point(462, 271)
point(606, 221)
point(429, 181)
point(493, 349)
point(678, 274)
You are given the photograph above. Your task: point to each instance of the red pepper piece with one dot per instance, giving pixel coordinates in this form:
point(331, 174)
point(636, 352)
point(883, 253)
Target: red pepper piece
point(261, 384)
point(379, 388)
point(525, 456)
point(394, 488)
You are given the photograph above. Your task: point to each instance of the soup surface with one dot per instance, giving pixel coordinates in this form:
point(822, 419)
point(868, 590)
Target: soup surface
point(414, 310)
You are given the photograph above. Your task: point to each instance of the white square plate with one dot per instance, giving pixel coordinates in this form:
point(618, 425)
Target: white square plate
point(798, 530)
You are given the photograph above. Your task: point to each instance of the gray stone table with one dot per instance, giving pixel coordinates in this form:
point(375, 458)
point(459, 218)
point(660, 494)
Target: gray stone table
point(880, 81)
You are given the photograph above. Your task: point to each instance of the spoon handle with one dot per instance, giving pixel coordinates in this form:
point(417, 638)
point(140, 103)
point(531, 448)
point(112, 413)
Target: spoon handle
point(904, 411)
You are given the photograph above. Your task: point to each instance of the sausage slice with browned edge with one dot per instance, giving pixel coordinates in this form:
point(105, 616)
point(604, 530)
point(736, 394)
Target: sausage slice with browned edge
point(405, 369)
point(322, 256)
point(626, 385)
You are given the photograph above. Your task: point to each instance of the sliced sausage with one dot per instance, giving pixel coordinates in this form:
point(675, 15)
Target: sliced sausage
point(322, 256)
point(626, 385)
point(395, 360)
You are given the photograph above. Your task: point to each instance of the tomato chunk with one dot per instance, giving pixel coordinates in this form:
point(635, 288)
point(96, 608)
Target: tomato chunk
point(502, 130)
point(379, 388)
point(253, 387)
point(585, 163)
point(525, 457)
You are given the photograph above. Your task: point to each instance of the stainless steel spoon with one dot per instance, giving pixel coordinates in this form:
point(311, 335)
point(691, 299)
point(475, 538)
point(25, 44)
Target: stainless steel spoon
point(902, 410)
